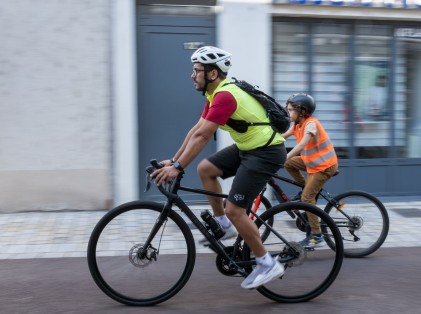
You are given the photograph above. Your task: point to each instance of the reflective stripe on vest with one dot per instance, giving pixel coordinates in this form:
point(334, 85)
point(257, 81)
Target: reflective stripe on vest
point(316, 156)
point(308, 152)
point(320, 160)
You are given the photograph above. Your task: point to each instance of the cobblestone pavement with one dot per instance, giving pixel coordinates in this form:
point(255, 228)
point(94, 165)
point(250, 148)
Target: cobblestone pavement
point(66, 233)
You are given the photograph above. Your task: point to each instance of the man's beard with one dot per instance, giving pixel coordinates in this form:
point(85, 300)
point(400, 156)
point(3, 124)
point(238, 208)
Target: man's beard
point(199, 87)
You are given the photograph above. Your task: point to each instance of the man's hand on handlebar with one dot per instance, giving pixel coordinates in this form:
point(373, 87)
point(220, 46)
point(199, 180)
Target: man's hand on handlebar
point(165, 174)
point(166, 162)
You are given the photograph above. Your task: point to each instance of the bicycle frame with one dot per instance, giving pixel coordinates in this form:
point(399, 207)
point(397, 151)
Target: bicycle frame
point(146, 237)
point(283, 198)
point(215, 245)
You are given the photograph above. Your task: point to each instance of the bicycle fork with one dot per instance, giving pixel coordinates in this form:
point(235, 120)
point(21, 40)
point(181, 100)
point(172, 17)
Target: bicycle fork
point(160, 222)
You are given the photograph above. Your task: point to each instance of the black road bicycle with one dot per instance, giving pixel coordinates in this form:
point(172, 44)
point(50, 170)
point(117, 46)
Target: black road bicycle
point(361, 217)
point(143, 253)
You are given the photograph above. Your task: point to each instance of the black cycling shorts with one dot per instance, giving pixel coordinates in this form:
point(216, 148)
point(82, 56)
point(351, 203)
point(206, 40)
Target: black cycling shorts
point(252, 170)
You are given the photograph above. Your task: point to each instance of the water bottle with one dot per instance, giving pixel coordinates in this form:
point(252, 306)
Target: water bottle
point(212, 224)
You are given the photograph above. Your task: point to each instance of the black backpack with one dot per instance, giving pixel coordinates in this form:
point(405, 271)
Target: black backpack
point(278, 115)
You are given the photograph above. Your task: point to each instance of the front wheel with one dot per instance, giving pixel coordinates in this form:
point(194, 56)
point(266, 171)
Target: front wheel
point(362, 220)
point(308, 271)
point(135, 273)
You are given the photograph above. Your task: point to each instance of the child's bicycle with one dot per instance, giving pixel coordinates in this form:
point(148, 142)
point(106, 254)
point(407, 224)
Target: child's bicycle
point(143, 253)
point(361, 217)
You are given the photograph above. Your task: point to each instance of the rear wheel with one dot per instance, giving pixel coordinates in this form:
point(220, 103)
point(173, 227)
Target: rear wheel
point(362, 220)
point(308, 272)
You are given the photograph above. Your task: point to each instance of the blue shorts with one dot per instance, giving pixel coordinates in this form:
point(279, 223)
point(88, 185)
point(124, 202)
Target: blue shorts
point(252, 170)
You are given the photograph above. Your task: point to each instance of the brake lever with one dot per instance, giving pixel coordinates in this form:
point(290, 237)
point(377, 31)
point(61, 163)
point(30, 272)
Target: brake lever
point(149, 171)
point(147, 183)
point(156, 164)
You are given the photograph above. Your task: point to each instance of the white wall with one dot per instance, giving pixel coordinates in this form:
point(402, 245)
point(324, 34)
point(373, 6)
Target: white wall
point(55, 101)
point(244, 29)
point(125, 143)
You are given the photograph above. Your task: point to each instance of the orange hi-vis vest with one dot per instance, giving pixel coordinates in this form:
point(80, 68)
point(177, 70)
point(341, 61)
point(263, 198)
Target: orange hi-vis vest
point(317, 155)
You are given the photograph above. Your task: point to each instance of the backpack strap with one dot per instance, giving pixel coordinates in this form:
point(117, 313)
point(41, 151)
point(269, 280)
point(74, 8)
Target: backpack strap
point(270, 140)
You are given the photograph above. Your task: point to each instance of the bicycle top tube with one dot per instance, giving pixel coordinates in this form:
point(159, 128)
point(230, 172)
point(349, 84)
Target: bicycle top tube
point(291, 181)
point(171, 192)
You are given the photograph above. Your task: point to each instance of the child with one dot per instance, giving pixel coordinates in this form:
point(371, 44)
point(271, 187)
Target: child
point(313, 153)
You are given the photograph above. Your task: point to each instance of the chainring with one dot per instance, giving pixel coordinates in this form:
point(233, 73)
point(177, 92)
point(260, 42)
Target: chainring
point(223, 265)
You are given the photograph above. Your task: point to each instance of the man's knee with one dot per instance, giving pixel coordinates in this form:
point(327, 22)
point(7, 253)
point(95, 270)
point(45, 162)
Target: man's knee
point(206, 169)
point(233, 212)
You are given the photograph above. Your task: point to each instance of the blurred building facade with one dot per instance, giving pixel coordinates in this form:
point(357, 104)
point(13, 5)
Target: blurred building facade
point(55, 135)
point(91, 90)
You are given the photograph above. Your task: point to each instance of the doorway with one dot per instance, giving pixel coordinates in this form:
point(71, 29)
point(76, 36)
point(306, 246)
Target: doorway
point(168, 104)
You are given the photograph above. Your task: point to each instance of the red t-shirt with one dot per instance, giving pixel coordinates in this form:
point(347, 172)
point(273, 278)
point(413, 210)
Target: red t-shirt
point(223, 106)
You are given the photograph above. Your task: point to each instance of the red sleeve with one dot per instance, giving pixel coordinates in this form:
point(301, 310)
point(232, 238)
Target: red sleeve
point(205, 110)
point(223, 106)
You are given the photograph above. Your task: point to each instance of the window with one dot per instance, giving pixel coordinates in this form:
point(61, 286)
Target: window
point(365, 78)
point(408, 92)
point(373, 109)
point(290, 62)
point(330, 81)
point(314, 58)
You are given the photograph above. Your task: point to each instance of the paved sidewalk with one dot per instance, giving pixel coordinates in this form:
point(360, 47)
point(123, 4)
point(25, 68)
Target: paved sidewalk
point(66, 233)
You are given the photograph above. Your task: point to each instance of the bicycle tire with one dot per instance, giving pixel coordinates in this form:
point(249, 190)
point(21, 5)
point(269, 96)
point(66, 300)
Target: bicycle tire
point(372, 217)
point(307, 273)
point(123, 275)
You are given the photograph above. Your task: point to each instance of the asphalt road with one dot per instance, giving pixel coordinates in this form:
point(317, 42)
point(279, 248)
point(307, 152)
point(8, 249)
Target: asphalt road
point(388, 281)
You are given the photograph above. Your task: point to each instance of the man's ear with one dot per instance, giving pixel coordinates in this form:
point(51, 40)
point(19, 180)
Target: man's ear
point(214, 74)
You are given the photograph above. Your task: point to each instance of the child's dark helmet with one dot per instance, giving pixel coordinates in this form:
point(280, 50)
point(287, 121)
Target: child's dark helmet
point(302, 102)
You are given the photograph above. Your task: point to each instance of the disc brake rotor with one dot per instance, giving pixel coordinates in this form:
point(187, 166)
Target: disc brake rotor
point(144, 260)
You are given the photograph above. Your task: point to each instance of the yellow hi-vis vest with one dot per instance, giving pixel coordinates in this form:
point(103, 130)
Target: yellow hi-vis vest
point(316, 156)
point(248, 109)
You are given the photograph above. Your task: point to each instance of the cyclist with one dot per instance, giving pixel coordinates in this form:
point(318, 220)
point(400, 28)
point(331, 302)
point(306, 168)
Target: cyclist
point(257, 153)
point(314, 153)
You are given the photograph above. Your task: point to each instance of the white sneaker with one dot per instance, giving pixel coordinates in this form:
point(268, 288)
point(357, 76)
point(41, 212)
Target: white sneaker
point(230, 232)
point(263, 274)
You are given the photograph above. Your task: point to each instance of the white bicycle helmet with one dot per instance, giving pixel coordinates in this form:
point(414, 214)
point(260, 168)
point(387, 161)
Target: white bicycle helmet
point(213, 55)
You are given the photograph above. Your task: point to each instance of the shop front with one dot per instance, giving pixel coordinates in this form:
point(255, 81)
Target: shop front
point(365, 75)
